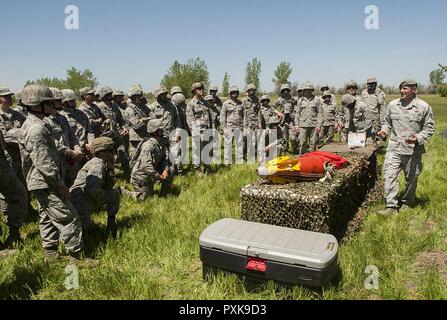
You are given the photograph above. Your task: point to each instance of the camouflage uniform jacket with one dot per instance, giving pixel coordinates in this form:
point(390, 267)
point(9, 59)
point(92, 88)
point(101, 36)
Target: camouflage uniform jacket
point(5, 159)
point(181, 112)
point(63, 134)
point(286, 106)
point(416, 118)
point(198, 116)
point(265, 113)
point(95, 116)
point(232, 115)
point(40, 155)
point(152, 160)
point(10, 125)
point(115, 122)
point(251, 112)
point(215, 116)
point(376, 104)
point(80, 125)
point(329, 113)
point(355, 119)
point(309, 113)
point(168, 113)
point(136, 118)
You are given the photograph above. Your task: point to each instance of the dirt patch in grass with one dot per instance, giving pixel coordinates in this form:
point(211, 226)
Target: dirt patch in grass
point(432, 259)
point(423, 227)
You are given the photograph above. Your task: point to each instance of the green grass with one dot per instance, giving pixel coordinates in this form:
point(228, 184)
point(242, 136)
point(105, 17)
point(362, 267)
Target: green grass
point(157, 255)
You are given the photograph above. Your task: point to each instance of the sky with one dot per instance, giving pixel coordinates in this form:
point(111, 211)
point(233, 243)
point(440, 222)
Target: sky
point(135, 41)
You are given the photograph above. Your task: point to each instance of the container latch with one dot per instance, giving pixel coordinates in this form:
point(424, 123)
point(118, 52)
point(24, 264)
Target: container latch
point(256, 264)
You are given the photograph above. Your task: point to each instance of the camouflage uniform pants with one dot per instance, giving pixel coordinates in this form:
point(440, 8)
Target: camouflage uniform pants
point(58, 220)
point(326, 135)
point(308, 139)
point(144, 190)
point(15, 197)
point(251, 145)
point(412, 167)
point(199, 142)
point(85, 206)
point(133, 145)
point(238, 137)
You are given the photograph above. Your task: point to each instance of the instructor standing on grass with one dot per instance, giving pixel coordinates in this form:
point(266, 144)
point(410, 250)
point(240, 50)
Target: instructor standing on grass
point(409, 121)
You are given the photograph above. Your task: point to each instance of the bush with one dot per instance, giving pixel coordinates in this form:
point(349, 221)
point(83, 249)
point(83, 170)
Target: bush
point(443, 90)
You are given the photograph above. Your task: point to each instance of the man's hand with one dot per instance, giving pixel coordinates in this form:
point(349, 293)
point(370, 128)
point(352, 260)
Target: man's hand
point(318, 130)
point(280, 114)
point(125, 132)
point(178, 139)
point(381, 134)
point(412, 140)
point(164, 175)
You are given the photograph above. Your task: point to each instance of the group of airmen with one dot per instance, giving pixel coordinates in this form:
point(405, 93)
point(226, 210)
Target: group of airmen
point(65, 155)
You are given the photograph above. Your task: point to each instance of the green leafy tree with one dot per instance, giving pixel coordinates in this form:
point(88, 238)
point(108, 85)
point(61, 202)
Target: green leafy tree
point(252, 72)
point(226, 84)
point(437, 76)
point(49, 82)
point(282, 74)
point(184, 75)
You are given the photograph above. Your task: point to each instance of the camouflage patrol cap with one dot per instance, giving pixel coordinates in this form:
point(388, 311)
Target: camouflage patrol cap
point(265, 97)
point(352, 84)
point(117, 93)
point(408, 82)
point(176, 89)
point(371, 80)
point(347, 99)
point(153, 125)
point(251, 86)
point(285, 86)
point(274, 120)
point(159, 91)
point(5, 92)
point(327, 94)
point(69, 95)
point(86, 90)
point(104, 91)
point(135, 91)
point(209, 98)
point(102, 144)
point(234, 89)
point(195, 86)
point(308, 86)
point(57, 93)
point(178, 98)
point(34, 94)
point(213, 87)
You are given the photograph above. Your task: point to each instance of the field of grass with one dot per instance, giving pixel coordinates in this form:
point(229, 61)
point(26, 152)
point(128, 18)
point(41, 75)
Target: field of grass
point(156, 255)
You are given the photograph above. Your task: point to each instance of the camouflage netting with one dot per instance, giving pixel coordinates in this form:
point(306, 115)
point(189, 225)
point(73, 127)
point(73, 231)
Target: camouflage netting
point(336, 207)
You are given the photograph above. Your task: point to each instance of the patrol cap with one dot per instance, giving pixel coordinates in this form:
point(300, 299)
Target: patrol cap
point(265, 97)
point(159, 91)
point(213, 87)
point(176, 89)
point(104, 91)
point(285, 86)
point(57, 93)
point(371, 80)
point(308, 86)
point(69, 95)
point(347, 99)
point(327, 94)
point(251, 86)
point(117, 93)
point(86, 90)
point(234, 89)
point(34, 94)
point(197, 85)
point(409, 83)
point(178, 98)
point(5, 92)
point(209, 98)
point(153, 125)
point(274, 120)
point(102, 144)
point(352, 84)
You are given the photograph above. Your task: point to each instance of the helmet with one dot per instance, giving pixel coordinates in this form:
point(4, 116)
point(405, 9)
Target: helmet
point(86, 90)
point(57, 93)
point(327, 94)
point(408, 82)
point(213, 87)
point(117, 93)
point(135, 91)
point(347, 99)
point(102, 144)
point(69, 95)
point(371, 80)
point(154, 125)
point(195, 86)
point(209, 98)
point(234, 89)
point(159, 91)
point(265, 97)
point(324, 86)
point(176, 89)
point(352, 84)
point(34, 94)
point(178, 98)
point(308, 86)
point(5, 92)
point(104, 91)
point(274, 120)
point(251, 86)
point(285, 86)
point(299, 87)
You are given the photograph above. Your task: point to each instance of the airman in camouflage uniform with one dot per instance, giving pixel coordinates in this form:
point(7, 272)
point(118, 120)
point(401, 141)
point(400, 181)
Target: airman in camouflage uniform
point(308, 118)
point(217, 101)
point(251, 108)
point(329, 113)
point(152, 163)
point(178, 99)
point(300, 94)
point(266, 112)
point(14, 195)
point(199, 119)
point(118, 99)
point(323, 89)
point(410, 123)
point(58, 218)
point(91, 110)
point(93, 189)
point(374, 97)
point(354, 116)
point(286, 105)
point(232, 123)
point(114, 128)
point(136, 116)
point(214, 112)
